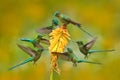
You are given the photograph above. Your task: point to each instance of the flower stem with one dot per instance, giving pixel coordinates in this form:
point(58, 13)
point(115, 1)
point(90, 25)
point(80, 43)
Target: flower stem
point(51, 75)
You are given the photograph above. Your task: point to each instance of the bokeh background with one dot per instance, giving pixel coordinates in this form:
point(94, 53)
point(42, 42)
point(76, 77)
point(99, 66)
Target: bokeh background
point(20, 18)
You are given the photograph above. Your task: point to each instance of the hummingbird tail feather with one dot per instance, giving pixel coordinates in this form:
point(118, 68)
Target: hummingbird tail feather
point(93, 62)
point(26, 61)
point(93, 51)
point(79, 61)
point(85, 32)
point(75, 23)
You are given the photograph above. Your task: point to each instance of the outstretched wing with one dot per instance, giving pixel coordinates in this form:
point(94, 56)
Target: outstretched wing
point(64, 56)
point(44, 30)
point(45, 41)
point(88, 45)
point(37, 45)
point(28, 50)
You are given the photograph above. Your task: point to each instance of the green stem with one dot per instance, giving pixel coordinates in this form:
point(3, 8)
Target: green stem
point(51, 75)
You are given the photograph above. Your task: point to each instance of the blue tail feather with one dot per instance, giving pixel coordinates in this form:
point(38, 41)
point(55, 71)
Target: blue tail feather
point(26, 61)
point(79, 61)
point(86, 32)
point(93, 51)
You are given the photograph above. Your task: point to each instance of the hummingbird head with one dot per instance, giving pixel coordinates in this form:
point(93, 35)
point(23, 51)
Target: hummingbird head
point(39, 36)
point(57, 13)
point(79, 42)
point(55, 22)
point(70, 50)
point(40, 50)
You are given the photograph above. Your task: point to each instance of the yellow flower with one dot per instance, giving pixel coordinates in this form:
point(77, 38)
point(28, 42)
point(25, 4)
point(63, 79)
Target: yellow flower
point(58, 41)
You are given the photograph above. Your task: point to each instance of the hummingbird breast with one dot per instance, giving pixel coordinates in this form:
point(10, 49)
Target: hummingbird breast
point(37, 57)
point(82, 50)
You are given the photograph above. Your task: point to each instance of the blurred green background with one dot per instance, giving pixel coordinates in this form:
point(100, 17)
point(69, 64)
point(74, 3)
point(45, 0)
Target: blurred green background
point(20, 18)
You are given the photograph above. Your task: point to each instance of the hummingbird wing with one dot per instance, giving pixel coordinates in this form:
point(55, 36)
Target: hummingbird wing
point(88, 45)
point(65, 56)
point(63, 18)
point(44, 30)
point(37, 45)
point(67, 20)
point(79, 26)
point(74, 23)
point(93, 51)
point(26, 61)
point(28, 50)
point(45, 41)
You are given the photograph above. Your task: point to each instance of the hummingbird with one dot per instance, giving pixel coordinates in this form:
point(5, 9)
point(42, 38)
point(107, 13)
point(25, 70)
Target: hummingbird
point(48, 29)
point(85, 48)
point(70, 56)
point(35, 55)
point(36, 42)
point(66, 20)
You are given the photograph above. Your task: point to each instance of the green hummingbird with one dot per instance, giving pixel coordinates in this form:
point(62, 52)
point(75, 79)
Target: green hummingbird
point(66, 20)
point(70, 56)
point(35, 55)
point(36, 42)
point(85, 48)
point(48, 29)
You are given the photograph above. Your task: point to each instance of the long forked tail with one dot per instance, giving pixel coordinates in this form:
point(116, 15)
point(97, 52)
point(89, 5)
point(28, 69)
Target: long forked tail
point(26, 61)
point(93, 51)
point(79, 61)
point(86, 32)
point(79, 26)
point(75, 23)
point(25, 39)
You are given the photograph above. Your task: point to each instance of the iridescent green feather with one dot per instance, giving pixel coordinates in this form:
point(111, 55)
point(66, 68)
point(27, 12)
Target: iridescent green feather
point(24, 62)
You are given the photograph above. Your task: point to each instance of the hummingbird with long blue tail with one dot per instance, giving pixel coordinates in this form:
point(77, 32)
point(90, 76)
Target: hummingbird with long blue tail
point(36, 42)
point(66, 20)
point(85, 48)
point(71, 57)
point(48, 29)
point(35, 55)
